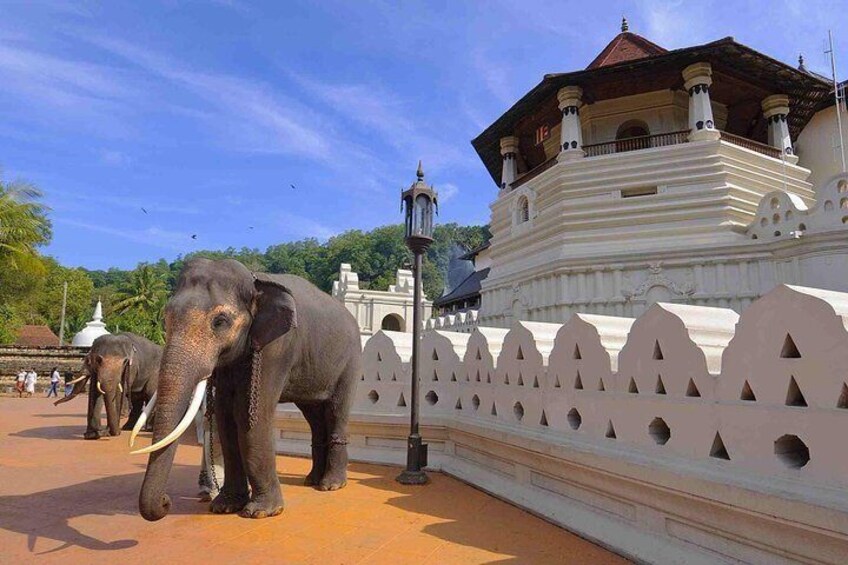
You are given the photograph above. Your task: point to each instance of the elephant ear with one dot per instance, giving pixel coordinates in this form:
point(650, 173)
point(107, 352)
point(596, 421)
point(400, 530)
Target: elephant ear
point(275, 311)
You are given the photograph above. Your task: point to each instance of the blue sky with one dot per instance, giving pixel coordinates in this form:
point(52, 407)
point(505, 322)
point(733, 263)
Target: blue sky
point(205, 112)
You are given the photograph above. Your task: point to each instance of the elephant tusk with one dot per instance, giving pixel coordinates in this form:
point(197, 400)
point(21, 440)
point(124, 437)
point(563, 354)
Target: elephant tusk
point(196, 400)
point(100, 388)
point(120, 387)
point(142, 419)
point(76, 380)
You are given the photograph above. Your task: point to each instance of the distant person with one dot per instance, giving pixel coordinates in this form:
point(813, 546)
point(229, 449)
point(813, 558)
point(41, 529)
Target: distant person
point(31, 377)
point(54, 383)
point(19, 384)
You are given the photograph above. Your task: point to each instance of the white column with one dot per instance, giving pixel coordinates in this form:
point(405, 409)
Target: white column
point(698, 79)
point(509, 152)
point(571, 135)
point(775, 111)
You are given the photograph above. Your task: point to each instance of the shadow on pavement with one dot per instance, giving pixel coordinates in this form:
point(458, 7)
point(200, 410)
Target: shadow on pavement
point(53, 432)
point(47, 514)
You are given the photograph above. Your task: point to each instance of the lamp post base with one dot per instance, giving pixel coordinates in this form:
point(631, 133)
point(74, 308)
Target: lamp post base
point(408, 477)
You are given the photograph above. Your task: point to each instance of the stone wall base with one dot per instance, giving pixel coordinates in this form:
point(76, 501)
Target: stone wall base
point(652, 508)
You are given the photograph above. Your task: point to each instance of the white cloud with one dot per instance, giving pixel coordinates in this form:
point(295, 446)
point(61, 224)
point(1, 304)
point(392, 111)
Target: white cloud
point(295, 226)
point(153, 236)
point(447, 191)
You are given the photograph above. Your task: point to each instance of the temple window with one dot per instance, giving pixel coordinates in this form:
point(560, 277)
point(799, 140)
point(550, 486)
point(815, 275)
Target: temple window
point(523, 210)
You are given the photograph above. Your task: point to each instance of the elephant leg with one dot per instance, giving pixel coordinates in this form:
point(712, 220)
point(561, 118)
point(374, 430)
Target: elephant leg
point(135, 410)
point(95, 409)
point(314, 414)
point(336, 412)
point(259, 453)
point(234, 493)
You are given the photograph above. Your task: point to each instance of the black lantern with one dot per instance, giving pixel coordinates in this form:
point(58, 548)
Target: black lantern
point(420, 204)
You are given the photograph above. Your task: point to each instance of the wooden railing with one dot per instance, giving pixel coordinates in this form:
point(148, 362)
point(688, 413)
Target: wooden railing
point(637, 143)
point(535, 171)
point(762, 148)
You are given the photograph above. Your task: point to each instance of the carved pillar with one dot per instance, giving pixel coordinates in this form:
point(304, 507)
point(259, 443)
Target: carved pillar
point(775, 111)
point(571, 135)
point(509, 152)
point(698, 79)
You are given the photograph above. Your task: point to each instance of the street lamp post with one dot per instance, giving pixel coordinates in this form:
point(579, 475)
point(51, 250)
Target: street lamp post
point(418, 202)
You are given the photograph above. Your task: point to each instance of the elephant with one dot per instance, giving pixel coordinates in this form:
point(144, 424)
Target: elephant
point(122, 369)
point(260, 339)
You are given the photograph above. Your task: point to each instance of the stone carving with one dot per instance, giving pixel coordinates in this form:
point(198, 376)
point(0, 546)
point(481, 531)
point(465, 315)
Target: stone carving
point(656, 277)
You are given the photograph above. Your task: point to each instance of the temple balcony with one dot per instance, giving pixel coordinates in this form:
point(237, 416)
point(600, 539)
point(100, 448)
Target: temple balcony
point(647, 142)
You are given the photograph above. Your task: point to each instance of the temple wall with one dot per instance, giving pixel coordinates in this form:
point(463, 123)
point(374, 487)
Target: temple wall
point(683, 434)
point(13, 358)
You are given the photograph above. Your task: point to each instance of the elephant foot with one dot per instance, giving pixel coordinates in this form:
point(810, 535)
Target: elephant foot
point(226, 503)
point(91, 434)
point(263, 507)
point(332, 483)
point(312, 479)
point(128, 426)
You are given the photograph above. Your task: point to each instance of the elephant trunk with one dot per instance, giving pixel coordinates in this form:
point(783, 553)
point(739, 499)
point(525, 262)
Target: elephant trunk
point(179, 375)
point(114, 399)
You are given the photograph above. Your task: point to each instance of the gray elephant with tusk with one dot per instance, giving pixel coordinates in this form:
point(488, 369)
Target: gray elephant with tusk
point(261, 339)
point(121, 371)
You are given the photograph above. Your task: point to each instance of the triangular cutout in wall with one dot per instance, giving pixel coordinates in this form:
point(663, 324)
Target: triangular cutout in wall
point(520, 380)
point(394, 377)
point(692, 389)
point(633, 388)
point(494, 410)
point(544, 420)
point(458, 404)
point(453, 377)
point(747, 393)
point(378, 376)
point(435, 355)
point(362, 378)
point(577, 352)
point(435, 376)
point(401, 401)
point(790, 350)
point(660, 389)
point(578, 382)
point(601, 386)
point(535, 381)
point(379, 357)
point(556, 382)
point(478, 354)
point(489, 378)
point(506, 379)
point(520, 355)
point(478, 375)
point(718, 450)
point(843, 397)
point(610, 430)
point(794, 396)
point(658, 354)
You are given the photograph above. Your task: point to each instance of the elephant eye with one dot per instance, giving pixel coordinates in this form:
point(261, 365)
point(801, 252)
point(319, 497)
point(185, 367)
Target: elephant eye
point(220, 322)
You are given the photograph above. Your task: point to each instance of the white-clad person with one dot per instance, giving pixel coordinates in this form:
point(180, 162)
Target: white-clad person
point(54, 383)
point(31, 377)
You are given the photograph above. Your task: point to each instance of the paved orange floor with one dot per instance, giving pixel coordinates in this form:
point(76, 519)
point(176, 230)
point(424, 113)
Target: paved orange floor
point(66, 500)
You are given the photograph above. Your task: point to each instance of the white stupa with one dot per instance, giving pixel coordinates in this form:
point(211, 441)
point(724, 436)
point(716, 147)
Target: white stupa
point(92, 330)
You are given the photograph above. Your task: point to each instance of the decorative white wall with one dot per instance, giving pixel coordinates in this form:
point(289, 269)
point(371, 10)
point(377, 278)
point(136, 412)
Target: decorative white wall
point(690, 434)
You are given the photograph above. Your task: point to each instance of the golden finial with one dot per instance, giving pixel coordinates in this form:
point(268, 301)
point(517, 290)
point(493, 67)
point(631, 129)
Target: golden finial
point(624, 26)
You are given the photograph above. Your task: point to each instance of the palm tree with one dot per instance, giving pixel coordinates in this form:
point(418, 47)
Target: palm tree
point(144, 291)
point(23, 222)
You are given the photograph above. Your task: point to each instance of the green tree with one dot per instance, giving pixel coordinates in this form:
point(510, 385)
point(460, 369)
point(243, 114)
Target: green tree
point(143, 291)
point(48, 304)
point(23, 222)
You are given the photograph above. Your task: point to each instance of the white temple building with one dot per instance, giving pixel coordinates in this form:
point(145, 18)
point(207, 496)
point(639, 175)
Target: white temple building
point(706, 176)
point(92, 330)
point(379, 309)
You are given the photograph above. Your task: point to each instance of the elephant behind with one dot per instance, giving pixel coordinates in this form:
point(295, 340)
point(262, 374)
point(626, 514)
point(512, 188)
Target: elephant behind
point(122, 372)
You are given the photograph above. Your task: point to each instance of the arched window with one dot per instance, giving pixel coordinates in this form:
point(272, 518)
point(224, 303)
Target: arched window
point(632, 135)
point(523, 210)
point(392, 323)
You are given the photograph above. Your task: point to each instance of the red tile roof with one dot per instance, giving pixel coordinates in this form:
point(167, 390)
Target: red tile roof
point(37, 336)
point(626, 46)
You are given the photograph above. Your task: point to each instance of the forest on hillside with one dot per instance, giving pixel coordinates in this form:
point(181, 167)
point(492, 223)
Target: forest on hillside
point(31, 284)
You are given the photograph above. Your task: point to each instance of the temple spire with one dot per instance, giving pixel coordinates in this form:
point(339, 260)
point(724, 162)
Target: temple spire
point(624, 26)
point(420, 171)
point(801, 66)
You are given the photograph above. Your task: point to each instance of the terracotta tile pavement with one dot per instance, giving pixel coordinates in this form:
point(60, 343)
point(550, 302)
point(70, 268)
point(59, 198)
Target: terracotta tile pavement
point(66, 500)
